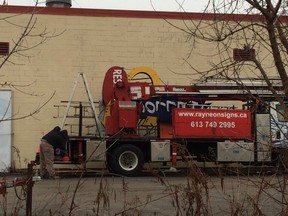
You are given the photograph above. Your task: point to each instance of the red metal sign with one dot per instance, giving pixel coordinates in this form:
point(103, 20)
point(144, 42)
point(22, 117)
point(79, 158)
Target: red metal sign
point(212, 123)
point(115, 75)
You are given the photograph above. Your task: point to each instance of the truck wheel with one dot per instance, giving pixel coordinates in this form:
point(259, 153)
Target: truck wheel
point(127, 160)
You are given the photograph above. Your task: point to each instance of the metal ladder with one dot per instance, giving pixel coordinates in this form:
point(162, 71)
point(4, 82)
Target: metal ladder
point(98, 124)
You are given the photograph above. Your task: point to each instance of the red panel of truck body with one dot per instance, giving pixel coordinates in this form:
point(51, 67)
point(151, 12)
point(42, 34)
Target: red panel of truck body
point(212, 123)
point(128, 115)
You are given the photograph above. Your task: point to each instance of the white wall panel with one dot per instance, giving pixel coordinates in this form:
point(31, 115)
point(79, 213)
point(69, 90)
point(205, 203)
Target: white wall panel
point(5, 130)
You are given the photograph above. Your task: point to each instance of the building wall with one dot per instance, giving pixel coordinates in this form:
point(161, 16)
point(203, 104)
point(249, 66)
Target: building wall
point(89, 41)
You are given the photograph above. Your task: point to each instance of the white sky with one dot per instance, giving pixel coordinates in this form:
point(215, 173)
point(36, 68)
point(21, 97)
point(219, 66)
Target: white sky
point(159, 5)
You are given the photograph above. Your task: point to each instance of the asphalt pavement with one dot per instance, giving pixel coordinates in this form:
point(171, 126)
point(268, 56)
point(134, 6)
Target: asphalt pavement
point(149, 194)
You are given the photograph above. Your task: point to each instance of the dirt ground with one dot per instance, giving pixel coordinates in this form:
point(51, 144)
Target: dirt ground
point(174, 194)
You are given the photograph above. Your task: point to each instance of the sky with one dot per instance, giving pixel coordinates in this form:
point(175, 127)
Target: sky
point(147, 5)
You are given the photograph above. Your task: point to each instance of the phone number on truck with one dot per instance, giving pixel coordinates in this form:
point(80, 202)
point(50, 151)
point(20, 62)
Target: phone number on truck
point(212, 124)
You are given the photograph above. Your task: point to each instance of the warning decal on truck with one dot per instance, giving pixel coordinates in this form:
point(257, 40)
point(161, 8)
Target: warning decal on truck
point(212, 123)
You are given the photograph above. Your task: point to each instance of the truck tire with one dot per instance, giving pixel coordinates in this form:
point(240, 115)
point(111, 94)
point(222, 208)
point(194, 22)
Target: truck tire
point(127, 160)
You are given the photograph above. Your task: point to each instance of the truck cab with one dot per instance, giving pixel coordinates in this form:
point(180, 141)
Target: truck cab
point(279, 125)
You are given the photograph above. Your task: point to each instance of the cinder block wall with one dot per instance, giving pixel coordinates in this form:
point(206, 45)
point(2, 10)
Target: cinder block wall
point(89, 41)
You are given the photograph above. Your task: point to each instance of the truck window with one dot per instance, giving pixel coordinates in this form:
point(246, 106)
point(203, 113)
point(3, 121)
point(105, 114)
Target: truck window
point(281, 113)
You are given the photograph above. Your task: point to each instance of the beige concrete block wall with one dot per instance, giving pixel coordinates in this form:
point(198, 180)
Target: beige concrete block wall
point(89, 44)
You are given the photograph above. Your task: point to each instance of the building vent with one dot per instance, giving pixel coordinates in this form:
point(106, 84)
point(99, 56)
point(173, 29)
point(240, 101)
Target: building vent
point(245, 54)
point(4, 48)
point(59, 3)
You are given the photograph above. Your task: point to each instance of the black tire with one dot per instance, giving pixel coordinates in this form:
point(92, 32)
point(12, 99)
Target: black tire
point(126, 160)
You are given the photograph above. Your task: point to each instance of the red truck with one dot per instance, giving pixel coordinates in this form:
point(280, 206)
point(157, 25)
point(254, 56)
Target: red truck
point(148, 123)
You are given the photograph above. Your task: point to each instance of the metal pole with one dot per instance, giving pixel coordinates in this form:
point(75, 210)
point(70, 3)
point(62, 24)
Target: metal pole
point(29, 189)
point(80, 119)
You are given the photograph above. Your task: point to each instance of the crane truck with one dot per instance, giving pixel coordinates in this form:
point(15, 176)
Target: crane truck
point(146, 122)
